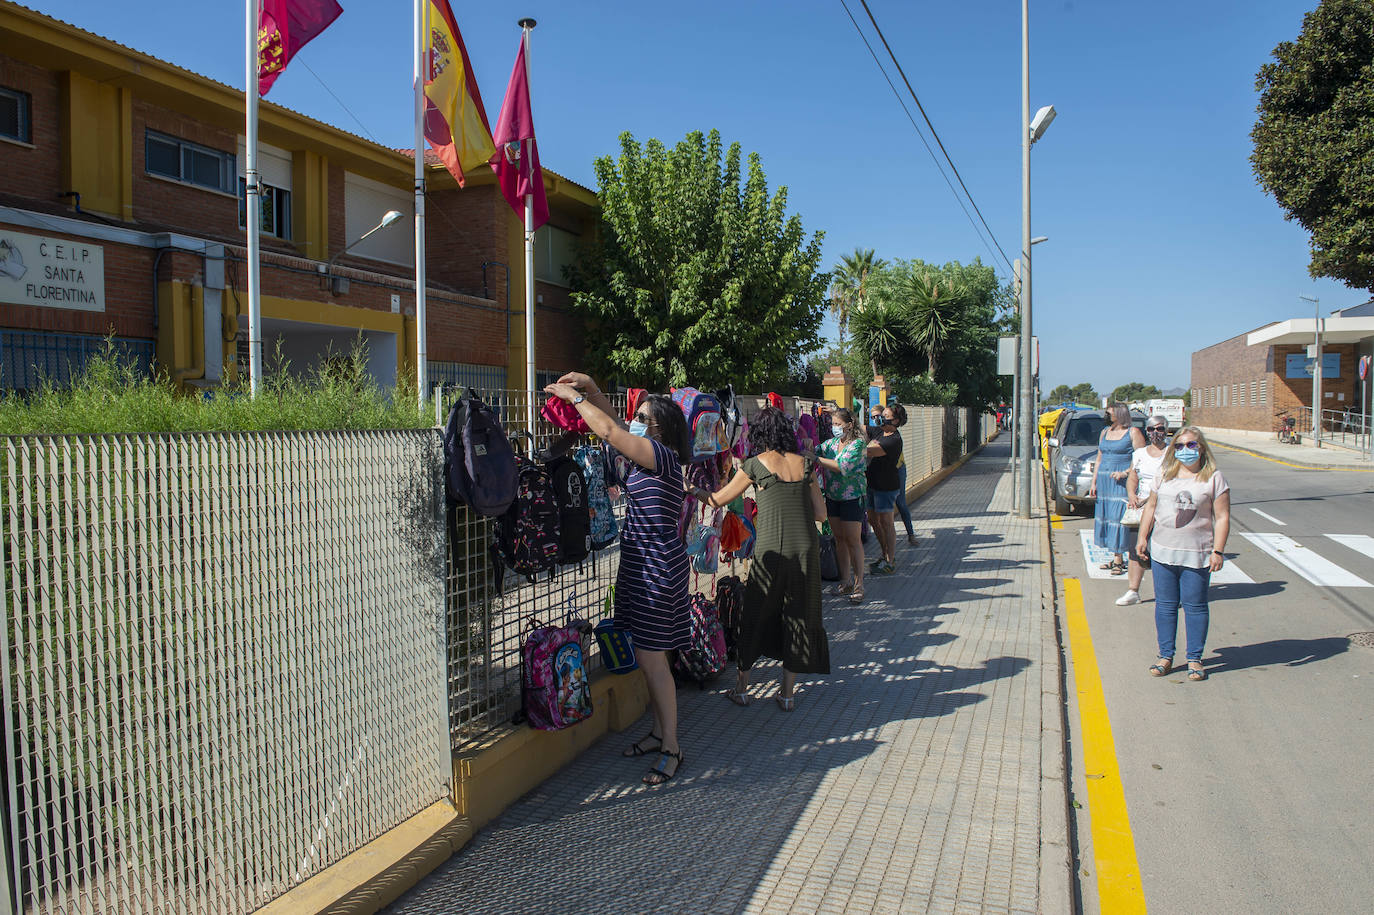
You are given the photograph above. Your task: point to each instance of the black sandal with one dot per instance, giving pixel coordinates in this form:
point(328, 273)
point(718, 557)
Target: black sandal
point(637, 748)
point(659, 775)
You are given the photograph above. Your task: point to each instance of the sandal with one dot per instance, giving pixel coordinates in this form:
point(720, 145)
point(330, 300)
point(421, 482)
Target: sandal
point(739, 697)
point(1162, 667)
point(786, 703)
point(856, 596)
point(638, 749)
point(842, 589)
point(1196, 674)
point(659, 774)
point(1118, 568)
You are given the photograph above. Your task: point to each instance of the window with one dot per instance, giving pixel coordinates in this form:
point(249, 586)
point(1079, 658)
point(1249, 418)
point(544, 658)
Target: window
point(1264, 390)
point(183, 161)
point(276, 210)
point(16, 115)
point(1254, 393)
point(1083, 430)
point(554, 249)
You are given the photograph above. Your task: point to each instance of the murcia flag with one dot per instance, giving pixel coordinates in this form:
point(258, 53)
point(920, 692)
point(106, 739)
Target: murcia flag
point(455, 121)
point(516, 164)
point(285, 27)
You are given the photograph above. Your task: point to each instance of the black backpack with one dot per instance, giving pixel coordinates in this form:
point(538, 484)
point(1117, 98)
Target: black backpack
point(479, 463)
point(574, 511)
point(525, 538)
point(730, 609)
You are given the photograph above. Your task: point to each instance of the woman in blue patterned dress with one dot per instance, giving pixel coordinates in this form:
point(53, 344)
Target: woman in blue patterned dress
point(1115, 446)
point(651, 586)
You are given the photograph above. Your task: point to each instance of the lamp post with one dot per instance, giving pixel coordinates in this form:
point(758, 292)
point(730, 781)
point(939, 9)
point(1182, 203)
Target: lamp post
point(339, 285)
point(1316, 369)
point(1016, 387)
point(1031, 130)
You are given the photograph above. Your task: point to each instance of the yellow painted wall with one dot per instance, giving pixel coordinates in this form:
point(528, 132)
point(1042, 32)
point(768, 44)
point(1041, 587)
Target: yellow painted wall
point(97, 153)
point(310, 203)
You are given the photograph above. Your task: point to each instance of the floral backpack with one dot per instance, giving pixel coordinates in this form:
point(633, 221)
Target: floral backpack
point(704, 659)
point(554, 683)
point(604, 526)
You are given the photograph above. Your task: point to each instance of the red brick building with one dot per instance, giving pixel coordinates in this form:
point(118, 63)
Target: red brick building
point(121, 213)
point(1251, 380)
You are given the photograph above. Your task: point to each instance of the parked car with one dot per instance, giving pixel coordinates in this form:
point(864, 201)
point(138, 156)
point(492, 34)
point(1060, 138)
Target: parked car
point(1067, 450)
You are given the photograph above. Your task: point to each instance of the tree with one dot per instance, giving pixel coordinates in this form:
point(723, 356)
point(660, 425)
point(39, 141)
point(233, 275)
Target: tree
point(697, 275)
point(1079, 393)
point(1134, 391)
point(1313, 149)
point(849, 285)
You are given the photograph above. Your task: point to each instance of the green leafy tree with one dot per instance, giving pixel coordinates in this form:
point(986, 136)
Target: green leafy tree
point(1314, 140)
point(1134, 391)
point(849, 285)
point(1079, 393)
point(698, 275)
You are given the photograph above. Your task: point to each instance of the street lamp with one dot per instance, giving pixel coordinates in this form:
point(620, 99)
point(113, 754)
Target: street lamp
point(339, 285)
point(1316, 369)
point(1031, 130)
point(1016, 388)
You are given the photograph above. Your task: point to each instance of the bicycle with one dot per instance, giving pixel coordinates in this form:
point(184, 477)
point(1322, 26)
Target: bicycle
point(1288, 429)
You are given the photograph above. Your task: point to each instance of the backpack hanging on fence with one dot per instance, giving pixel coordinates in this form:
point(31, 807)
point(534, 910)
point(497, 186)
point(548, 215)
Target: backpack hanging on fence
point(526, 537)
point(830, 562)
point(808, 437)
point(604, 527)
point(701, 474)
point(554, 685)
point(704, 659)
point(703, 545)
point(732, 418)
point(702, 412)
point(479, 466)
point(730, 609)
point(574, 515)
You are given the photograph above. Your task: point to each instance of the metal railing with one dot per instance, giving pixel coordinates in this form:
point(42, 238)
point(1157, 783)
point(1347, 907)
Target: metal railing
point(30, 358)
point(1343, 428)
point(223, 661)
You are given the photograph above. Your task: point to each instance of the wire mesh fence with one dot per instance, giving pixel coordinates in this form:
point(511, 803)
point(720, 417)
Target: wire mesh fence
point(223, 661)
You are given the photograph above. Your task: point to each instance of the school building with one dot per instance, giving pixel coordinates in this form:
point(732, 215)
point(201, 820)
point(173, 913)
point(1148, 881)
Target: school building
point(122, 214)
point(1254, 379)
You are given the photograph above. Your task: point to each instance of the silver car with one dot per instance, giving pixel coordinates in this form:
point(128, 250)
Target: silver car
point(1073, 443)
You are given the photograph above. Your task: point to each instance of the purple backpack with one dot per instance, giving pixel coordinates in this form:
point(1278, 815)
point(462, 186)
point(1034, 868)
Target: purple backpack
point(554, 683)
point(705, 657)
point(526, 537)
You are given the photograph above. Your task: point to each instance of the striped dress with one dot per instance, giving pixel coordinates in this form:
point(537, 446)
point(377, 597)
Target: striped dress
point(651, 587)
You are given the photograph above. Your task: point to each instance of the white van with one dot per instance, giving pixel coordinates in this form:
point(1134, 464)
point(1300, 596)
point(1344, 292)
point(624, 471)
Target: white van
point(1171, 408)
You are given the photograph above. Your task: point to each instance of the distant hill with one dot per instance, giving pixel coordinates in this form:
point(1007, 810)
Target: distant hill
point(1174, 392)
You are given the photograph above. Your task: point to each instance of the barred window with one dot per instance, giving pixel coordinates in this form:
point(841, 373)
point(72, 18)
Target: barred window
point(16, 115)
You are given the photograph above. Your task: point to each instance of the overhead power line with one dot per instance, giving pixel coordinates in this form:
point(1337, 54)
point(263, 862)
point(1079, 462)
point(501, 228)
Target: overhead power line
point(934, 133)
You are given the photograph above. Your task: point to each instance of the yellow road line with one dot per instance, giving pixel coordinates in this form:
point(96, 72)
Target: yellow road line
point(1118, 872)
point(1056, 522)
point(1262, 457)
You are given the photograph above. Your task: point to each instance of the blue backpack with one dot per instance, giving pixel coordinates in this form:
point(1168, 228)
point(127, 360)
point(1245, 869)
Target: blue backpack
point(604, 526)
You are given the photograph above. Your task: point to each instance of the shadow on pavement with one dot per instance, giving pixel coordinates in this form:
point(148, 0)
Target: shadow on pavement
point(593, 839)
point(1240, 590)
point(1287, 652)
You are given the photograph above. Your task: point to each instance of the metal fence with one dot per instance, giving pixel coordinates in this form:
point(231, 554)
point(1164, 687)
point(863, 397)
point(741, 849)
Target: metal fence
point(223, 661)
point(30, 358)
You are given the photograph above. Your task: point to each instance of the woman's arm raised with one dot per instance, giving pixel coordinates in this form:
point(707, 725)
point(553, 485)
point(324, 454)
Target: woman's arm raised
point(599, 415)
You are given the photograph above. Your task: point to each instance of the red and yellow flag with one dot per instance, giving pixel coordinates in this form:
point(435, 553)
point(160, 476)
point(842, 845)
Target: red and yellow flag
point(284, 27)
point(455, 121)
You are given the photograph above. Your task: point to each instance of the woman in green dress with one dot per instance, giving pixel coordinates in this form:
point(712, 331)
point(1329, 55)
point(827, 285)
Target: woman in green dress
point(782, 598)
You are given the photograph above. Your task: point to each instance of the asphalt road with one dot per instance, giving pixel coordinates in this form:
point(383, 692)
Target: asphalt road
point(1248, 792)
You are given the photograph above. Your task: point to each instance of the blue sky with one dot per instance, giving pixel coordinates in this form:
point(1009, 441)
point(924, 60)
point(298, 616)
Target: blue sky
point(1160, 242)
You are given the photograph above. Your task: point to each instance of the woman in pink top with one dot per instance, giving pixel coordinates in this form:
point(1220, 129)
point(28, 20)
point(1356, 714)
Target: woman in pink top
point(1183, 531)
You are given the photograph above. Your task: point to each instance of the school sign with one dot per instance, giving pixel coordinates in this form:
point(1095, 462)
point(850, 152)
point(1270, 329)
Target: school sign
point(51, 272)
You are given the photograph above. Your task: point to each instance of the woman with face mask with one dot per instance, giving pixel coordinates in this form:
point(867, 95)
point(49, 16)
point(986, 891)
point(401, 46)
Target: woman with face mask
point(651, 585)
point(1115, 446)
point(844, 465)
point(1183, 532)
point(1145, 466)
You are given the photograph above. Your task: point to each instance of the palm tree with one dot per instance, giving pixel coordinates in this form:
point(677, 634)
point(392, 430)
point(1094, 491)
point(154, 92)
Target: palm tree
point(935, 311)
point(849, 286)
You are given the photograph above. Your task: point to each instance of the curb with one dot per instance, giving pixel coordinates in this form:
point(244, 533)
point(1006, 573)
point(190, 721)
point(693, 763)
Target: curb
point(1056, 818)
point(1305, 465)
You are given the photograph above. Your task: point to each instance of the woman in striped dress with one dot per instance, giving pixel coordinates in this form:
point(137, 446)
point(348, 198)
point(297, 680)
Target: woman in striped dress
point(651, 587)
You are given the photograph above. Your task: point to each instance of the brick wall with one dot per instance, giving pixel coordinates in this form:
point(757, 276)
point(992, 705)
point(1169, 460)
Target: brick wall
point(1235, 386)
point(560, 343)
point(32, 172)
point(161, 202)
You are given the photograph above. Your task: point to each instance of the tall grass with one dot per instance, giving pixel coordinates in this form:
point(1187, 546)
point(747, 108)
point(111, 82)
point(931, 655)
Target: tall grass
point(110, 396)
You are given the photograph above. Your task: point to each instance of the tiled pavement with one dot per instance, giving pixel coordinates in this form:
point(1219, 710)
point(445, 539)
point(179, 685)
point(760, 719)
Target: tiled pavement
point(908, 780)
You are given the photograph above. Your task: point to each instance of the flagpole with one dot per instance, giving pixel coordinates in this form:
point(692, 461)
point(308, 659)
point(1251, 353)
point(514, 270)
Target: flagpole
point(421, 354)
point(530, 370)
point(252, 197)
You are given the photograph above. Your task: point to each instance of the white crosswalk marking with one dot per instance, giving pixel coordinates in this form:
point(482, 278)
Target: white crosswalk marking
point(1231, 574)
point(1360, 543)
point(1269, 518)
point(1093, 557)
point(1316, 569)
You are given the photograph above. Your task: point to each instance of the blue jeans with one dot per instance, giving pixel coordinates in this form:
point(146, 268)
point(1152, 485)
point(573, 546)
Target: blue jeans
point(902, 508)
point(1175, 585)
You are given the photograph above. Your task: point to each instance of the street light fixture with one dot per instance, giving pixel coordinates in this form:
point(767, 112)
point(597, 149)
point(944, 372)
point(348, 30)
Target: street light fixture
point(339, 285)
point(1030, 132)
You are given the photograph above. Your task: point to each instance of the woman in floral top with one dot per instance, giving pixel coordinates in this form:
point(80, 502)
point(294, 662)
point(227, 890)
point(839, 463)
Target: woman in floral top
point(844, 462)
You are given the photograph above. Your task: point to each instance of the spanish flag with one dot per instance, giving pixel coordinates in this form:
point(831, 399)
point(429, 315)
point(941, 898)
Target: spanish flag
point(455, 121)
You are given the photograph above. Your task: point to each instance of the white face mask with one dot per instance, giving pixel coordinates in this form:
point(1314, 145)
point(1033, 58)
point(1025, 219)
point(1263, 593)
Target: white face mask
point(638, 428)
point(837, 431)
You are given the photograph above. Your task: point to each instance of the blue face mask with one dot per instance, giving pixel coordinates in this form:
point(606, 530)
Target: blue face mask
point(837, 431)
point(1188, 455)
point(638, 428)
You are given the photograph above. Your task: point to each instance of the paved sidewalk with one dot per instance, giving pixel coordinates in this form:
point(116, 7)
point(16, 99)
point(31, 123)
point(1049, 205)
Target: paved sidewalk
point(908, 780)
point(1306, 455)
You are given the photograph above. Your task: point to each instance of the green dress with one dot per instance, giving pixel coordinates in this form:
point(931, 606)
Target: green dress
point(782, 599)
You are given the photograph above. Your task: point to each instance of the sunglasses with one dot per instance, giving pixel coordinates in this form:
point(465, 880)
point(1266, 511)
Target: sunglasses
point(1156, 428)
point(1179, 446)
point(644, 418)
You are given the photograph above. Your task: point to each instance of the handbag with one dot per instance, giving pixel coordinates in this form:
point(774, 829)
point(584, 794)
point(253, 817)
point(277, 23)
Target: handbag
point(1131, 517)
point(830, 564)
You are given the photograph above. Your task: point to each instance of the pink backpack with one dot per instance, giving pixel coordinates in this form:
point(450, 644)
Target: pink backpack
point(554, 683)
point(705, 658)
